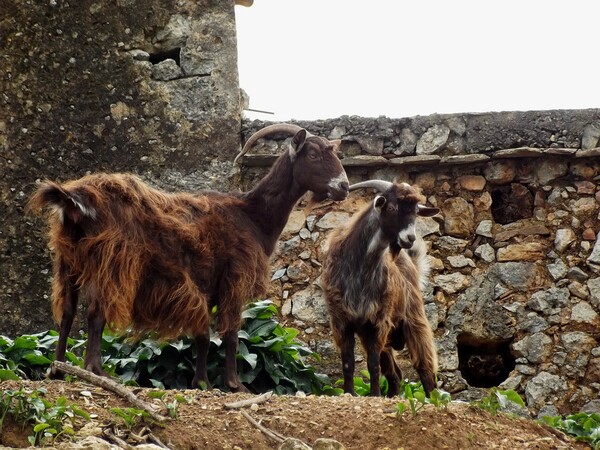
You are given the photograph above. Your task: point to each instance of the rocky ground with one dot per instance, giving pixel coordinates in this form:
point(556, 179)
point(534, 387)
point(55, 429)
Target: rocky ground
point(205, 422)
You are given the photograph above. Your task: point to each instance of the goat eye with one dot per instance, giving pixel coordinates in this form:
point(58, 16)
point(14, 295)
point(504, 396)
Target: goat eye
point(313, 156)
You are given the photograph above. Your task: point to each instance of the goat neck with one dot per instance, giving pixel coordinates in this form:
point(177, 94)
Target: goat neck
point(366, 239)
point(270, 203)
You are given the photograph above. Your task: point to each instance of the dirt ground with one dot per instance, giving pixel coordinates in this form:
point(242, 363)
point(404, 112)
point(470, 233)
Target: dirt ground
point(204, 422)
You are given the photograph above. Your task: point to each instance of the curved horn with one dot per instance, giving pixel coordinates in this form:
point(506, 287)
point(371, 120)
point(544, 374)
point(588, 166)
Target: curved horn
point(379, 185)
point(278, 128)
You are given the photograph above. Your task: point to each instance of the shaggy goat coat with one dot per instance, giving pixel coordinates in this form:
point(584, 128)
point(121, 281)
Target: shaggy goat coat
point(159, 262)
point(373, 289)
point(149, 254)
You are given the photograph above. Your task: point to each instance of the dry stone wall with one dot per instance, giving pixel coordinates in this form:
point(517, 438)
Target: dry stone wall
point(514, 294)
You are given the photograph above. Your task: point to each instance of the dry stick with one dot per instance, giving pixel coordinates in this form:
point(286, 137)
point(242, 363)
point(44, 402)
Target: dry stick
point(249, 401)
point(117, 440)
point(157, 441)
point(265, 430)
point(109, 385)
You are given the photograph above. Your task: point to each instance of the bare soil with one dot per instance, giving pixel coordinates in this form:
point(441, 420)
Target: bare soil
point(204, 422)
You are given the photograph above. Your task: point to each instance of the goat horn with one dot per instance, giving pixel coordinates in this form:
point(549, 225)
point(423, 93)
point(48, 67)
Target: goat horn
point(379, 185)
point(278, 128)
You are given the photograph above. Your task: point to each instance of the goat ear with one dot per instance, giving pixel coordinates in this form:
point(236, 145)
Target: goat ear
point(379, 202)
point(427, 211)
point(297, 143)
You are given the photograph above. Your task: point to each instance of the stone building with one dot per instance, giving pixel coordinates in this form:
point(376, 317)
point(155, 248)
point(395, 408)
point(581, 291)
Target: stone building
point(88, 86)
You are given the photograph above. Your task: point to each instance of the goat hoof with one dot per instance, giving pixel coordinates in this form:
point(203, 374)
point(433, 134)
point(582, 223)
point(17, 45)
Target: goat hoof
point(201, 384)
point(55, 374)
point(238, 387)
point(97, 370)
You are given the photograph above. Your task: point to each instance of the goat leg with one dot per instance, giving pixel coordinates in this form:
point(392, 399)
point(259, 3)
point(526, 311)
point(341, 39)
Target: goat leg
point(68, 313)
point(427, 377)
point(202, 344)
point(370, 339)
point(392, 372)
point(346, 344)
point(230, 339)
point(96, 322)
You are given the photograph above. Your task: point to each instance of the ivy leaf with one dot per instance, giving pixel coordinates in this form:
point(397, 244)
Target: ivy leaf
point(34, 359)
point(250, 358)
point(6, 374)
point(514, 397)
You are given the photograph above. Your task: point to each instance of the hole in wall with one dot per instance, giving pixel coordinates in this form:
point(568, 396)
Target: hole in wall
point(173, 54)
point(484, 363)
point(511, 203)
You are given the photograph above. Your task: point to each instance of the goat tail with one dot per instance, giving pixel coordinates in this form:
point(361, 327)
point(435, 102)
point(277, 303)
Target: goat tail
point(67, 203)
point(420, 258)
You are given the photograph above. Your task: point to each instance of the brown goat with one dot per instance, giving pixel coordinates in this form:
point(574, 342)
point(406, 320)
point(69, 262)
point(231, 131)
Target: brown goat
point(158, 261)
point(373, 288)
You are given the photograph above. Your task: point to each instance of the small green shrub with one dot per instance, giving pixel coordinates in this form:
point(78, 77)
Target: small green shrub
point(582, 426)
point(362, 384)
point(417, 398)
point(171, 406)
point(269, 357)
point(498, 399)
point(131, 416)
point(29, 356)
point(49, 421)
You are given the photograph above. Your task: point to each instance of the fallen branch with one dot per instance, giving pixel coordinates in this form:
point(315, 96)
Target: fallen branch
point(109, 385)
point(273, 435)
point(249, 401)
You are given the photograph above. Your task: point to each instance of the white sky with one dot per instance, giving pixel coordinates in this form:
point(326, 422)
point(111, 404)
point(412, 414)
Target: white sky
point(319, 59)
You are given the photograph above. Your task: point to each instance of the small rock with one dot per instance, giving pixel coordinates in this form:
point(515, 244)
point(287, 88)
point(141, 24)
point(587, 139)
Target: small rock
point(471, 182)
point(486, 252)
point(452, 283)
point(433, 140)
point(166, 70)
point(584, 313)
point(484, 228)
point(588, 234)
point(278, 274)
point(304, 233)
point(564, 237)
point(460, 261)
point(333, 220)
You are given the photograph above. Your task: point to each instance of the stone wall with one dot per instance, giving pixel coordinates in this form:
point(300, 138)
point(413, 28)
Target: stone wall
point(515, 288)
point(147, 87)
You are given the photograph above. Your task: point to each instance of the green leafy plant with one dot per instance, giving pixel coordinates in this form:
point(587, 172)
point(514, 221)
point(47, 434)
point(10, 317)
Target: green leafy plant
point(49, 420)
point(171, 406)
point(583, 426)
point(130, 416)
point(269, 357)
point(498, 399)
point(417, 399)
point(29, 356)
point(362, 384)
point(413, 392)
